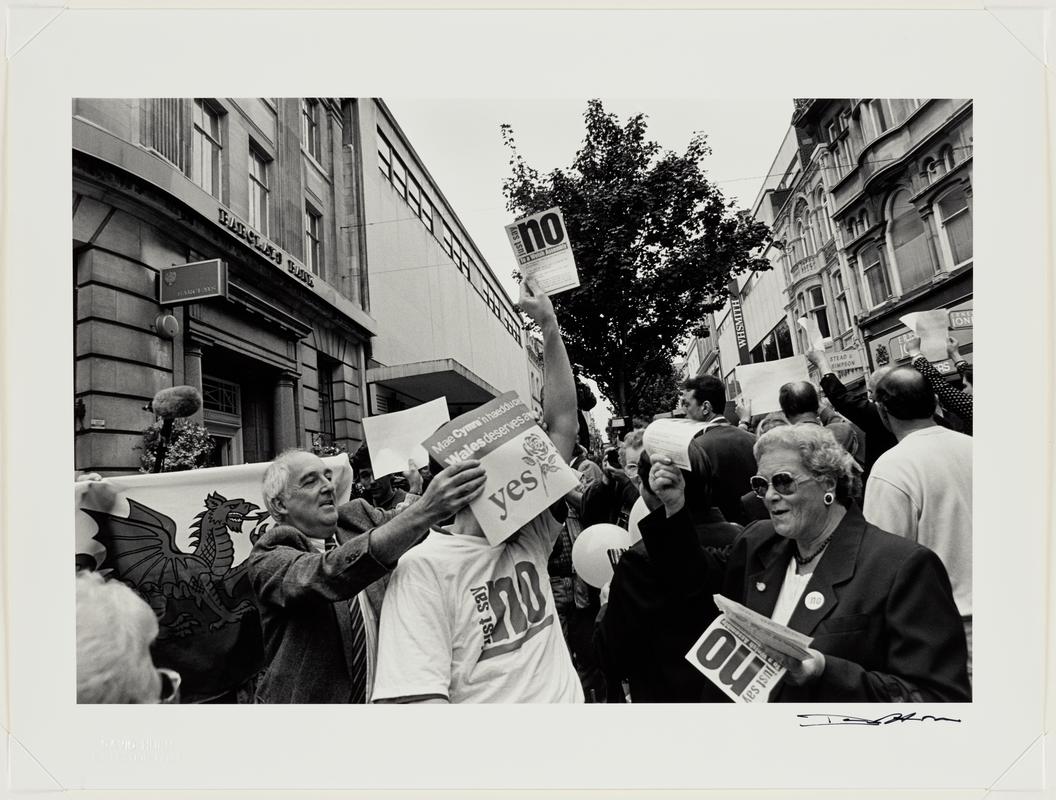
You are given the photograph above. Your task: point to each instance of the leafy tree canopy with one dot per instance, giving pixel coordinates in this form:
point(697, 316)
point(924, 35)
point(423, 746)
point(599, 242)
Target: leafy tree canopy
point(655, 243)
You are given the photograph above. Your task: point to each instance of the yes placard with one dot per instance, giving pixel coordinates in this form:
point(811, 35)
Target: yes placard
point(525, 473)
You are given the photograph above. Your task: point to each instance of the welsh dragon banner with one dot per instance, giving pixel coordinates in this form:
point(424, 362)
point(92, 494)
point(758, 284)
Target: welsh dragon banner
point(180, 540)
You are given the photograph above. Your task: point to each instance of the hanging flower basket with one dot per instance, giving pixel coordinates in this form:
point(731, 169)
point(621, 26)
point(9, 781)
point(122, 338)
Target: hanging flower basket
point(190, 447)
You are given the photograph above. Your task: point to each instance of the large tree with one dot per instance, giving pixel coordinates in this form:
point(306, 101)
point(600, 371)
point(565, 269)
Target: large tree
point(655, 242)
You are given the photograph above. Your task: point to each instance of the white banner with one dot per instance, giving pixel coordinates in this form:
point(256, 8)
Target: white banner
point(761, 382)
point(180, 541)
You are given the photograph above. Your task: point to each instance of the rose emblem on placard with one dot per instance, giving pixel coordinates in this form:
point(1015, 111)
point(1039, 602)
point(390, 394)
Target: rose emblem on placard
point(539, 455)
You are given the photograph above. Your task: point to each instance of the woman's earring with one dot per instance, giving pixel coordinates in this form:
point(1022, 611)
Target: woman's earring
point(828, 498)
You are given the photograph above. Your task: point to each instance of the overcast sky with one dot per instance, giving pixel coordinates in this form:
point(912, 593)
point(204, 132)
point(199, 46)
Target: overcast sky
point(461, 145)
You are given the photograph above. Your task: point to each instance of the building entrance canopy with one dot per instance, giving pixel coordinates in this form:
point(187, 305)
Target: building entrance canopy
point(422, 381)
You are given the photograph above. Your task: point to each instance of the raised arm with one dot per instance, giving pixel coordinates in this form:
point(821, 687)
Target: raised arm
point(857, 407)
point(559, 392)
point(952, 399)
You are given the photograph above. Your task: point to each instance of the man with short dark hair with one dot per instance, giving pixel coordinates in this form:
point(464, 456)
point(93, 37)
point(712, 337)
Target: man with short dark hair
point(319, 633)
point(727, 449)
point(922, 487)
point(800, 403)
point(379, 490)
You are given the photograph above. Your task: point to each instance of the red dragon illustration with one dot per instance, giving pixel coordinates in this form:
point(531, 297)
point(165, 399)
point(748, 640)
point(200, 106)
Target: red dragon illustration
point(141, 550)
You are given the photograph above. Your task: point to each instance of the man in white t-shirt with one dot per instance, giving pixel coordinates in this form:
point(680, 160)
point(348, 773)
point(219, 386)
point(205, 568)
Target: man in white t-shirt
point(467, 622)
point(922, 487)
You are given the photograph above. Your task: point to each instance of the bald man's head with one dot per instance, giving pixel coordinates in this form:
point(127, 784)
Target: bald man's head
point(798, 398)
point(905, 395)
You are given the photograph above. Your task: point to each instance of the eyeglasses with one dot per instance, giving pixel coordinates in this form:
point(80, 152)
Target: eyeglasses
point(170, 686)
point(783, 483)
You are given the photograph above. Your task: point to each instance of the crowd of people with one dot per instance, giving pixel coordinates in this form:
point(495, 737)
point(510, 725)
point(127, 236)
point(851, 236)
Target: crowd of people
point(845, 516)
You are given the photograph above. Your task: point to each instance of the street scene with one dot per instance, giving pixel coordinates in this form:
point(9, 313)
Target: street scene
point(598, 401)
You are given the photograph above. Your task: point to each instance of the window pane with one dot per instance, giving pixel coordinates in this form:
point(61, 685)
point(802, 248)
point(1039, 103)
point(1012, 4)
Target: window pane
point(844, 312)
point(414, 195)
point(957, 224)
point(769, 349)
point(784, 340)
point(326, 398)
point(383, 159)
point(823, 321)
point(399, 177)
point(875, 275)
point(910, 245)
point(427, 213)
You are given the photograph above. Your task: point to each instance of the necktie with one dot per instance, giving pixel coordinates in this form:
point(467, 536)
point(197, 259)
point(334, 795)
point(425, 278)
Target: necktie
point(359, 652)
point(359, 645)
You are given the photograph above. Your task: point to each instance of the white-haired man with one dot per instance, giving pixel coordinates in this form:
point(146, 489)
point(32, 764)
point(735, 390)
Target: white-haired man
point(319, 635)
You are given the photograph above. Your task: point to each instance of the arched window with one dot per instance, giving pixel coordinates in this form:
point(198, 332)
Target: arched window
point(878, 116)
point(803, 229)
point(863, 220)
point(948, 159)
point(909, 244)
point(843, 310)
point(927, 171)
point(822, 206)
point(816, 307)
point(955, 227)
point(874, 273)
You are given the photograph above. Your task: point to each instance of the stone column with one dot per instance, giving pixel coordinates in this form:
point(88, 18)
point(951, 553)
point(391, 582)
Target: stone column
point(285, 420)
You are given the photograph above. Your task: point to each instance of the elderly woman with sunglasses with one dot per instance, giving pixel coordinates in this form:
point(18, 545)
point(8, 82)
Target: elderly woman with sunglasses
point(879, 607)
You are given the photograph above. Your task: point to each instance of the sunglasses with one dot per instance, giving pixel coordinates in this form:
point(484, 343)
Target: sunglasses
point(783, 482)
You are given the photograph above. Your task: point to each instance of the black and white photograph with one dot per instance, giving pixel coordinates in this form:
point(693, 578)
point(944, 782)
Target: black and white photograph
point(534, 393)
point(255, 276)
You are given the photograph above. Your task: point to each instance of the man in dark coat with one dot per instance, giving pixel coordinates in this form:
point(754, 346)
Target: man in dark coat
point(646, 629)
point(722, 450)
point(317, 636)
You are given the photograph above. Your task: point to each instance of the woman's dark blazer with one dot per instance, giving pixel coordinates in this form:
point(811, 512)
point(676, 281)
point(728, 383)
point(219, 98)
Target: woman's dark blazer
point(888, 626)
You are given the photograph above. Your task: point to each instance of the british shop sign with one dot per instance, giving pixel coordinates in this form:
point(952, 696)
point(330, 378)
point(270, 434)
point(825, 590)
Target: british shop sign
point(188, 283)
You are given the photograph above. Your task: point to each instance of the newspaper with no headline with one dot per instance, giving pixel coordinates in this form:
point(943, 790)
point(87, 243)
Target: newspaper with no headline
point(734, 652)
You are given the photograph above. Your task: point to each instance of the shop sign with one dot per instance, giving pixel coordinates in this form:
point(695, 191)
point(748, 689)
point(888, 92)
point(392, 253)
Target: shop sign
point(272, 252)
point(845, 360)
point(960, 319)
point(188, 283)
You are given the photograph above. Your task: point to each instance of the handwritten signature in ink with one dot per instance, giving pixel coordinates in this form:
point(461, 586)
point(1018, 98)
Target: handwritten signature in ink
point(814, 720)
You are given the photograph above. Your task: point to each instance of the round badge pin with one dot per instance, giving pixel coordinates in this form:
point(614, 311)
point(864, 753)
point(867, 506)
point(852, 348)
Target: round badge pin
point(760, 587)
point(814, 601)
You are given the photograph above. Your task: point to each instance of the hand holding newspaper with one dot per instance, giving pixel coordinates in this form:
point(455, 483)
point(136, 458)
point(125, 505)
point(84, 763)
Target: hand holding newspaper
point(742, 652)
point(671, 438)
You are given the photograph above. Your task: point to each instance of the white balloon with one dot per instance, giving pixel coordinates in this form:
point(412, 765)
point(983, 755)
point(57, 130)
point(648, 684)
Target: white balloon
point(596, 551)
point(638, 511)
